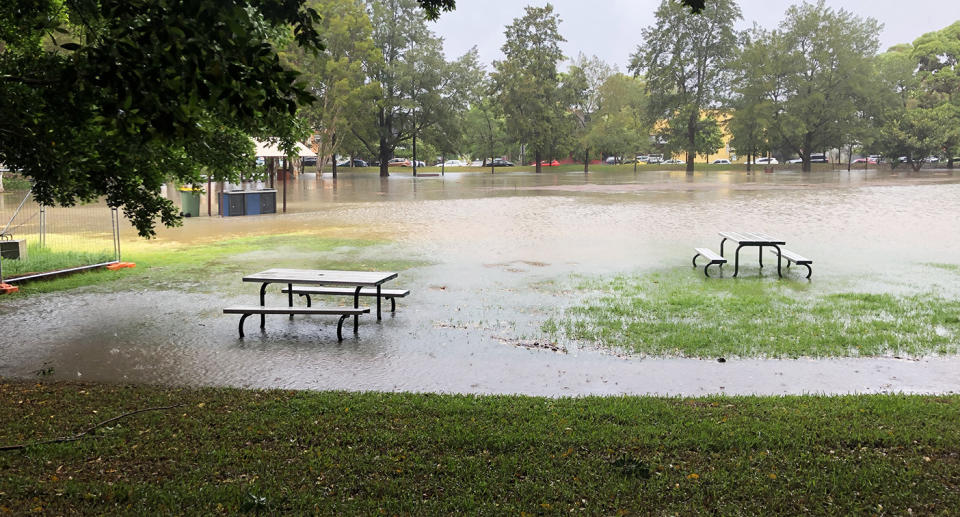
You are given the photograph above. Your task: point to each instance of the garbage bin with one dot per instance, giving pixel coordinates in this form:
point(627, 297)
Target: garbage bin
point(189, 202)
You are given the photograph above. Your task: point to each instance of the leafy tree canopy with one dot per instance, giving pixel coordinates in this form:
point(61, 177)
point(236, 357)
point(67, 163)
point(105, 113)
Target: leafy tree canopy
point(113, 97)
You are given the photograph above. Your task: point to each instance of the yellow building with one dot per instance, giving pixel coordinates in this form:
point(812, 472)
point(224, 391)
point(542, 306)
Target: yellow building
point(725, 152)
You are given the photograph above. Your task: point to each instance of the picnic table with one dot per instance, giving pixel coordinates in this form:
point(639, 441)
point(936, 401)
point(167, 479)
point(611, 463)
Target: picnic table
point(353, 279)
point(744, 239)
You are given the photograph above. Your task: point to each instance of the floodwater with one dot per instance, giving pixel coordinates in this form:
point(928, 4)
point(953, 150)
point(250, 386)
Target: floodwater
point(497, 255)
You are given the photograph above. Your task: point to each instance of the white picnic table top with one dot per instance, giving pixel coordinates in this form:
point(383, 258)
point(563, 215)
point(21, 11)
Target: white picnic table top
point(752, 238)
point(321, 277)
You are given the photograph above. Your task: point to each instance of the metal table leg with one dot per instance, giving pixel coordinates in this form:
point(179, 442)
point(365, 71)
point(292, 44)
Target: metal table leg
point(263, 293)
point(761, 256)
point(378, 302)
point(736, 261)
point(779, 273)
point(721, 245)
point(356, 305)
point(290, 297)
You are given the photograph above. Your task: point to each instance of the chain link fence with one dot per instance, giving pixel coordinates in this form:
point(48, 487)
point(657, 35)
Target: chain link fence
point(38, 241)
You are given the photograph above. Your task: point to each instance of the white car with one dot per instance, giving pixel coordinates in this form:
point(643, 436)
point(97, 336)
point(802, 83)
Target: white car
point(766, 161)
point(721, 161)
point(476, 163)
point(454, 163)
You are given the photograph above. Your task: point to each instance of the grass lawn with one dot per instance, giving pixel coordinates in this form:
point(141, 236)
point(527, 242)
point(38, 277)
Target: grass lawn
point(227, 451)
point(681, 313)
point(218, 262)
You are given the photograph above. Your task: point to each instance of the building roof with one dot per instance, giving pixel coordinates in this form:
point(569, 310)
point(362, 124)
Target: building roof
point(268, 150)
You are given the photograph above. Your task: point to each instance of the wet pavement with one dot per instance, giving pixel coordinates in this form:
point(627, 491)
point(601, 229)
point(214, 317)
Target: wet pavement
point(500, 254)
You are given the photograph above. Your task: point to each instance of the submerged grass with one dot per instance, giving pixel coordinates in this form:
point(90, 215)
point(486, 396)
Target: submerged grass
point(227, 451)
point(680, 313)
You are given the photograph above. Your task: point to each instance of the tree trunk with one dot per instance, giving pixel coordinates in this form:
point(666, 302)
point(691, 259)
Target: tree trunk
point(749, 155)
point(443, 164)
point(805, 157)
point(849, 157)
point(333, 166)
point(414, 154)
point(916, 164)
point(692, 141)
point(536, 156)
point(949, 166)
point(586, 161)
point(384, 158)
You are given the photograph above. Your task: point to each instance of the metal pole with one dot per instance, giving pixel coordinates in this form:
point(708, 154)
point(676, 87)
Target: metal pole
point(284, 190)
point(43, 226)
point(209, 193)
point(113, 228)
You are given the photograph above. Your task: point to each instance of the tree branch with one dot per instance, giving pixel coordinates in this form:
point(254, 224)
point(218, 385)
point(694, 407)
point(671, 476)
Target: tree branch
point(89, 430)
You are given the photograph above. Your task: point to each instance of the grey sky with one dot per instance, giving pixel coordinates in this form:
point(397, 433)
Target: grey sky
point(610, 29)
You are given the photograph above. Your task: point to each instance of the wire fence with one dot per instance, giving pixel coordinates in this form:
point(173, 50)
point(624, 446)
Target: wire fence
point(38, 241)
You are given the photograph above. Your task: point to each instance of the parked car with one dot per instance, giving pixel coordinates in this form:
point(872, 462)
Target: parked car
point(454, 163)
point(721, 161)
point(398, 162)
point(672, 161)
point(642, 158)
point(309, 161)
point(357, 162)
point(476, 163)
point(500, 162)
point(865, 160)
point(545, 163)
point(766, 161)
point(611, 160)
point(814, 158)
point(932, 159)
point(655, 158)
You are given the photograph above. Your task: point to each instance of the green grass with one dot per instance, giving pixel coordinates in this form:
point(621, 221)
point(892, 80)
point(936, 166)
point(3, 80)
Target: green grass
point(220, 264)
point(15, 182)
point(41, 260)
point(681, 313)
point(230, 451)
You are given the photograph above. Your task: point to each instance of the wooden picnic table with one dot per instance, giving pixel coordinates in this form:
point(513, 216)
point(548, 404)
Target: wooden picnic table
point(356, 279)
point(757, 239)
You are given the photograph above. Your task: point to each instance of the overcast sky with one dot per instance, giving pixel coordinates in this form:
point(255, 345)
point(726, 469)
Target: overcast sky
point(610, 29)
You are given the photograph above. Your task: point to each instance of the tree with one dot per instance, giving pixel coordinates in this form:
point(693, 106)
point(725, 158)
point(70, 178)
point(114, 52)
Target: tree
point(938, 72)
point(581, 90)
point(620, 124)
point(913, 123)
point(336, 76)
point(111, 98)
point(526, 80)
point(816, 67)
point(685, 60)
point(412, 75)
point(751, 109)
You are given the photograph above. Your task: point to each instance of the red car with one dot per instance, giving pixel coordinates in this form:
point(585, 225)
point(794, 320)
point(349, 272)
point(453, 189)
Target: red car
point(545, 163)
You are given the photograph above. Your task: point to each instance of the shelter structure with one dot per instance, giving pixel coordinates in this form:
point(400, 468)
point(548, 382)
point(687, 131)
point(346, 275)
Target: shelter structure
point(277, 160)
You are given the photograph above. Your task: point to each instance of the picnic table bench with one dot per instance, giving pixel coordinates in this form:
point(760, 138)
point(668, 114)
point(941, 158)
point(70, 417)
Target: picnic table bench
point(355, 283)
point(795, 258)
point(712, 258)
point(390, 294)
point(343, 312)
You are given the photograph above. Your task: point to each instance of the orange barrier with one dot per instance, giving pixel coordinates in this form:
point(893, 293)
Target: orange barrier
point(120, 265)
point(8, 289)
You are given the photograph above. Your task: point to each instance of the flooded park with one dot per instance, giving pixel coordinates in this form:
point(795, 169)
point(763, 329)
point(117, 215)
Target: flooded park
point(489, 260)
